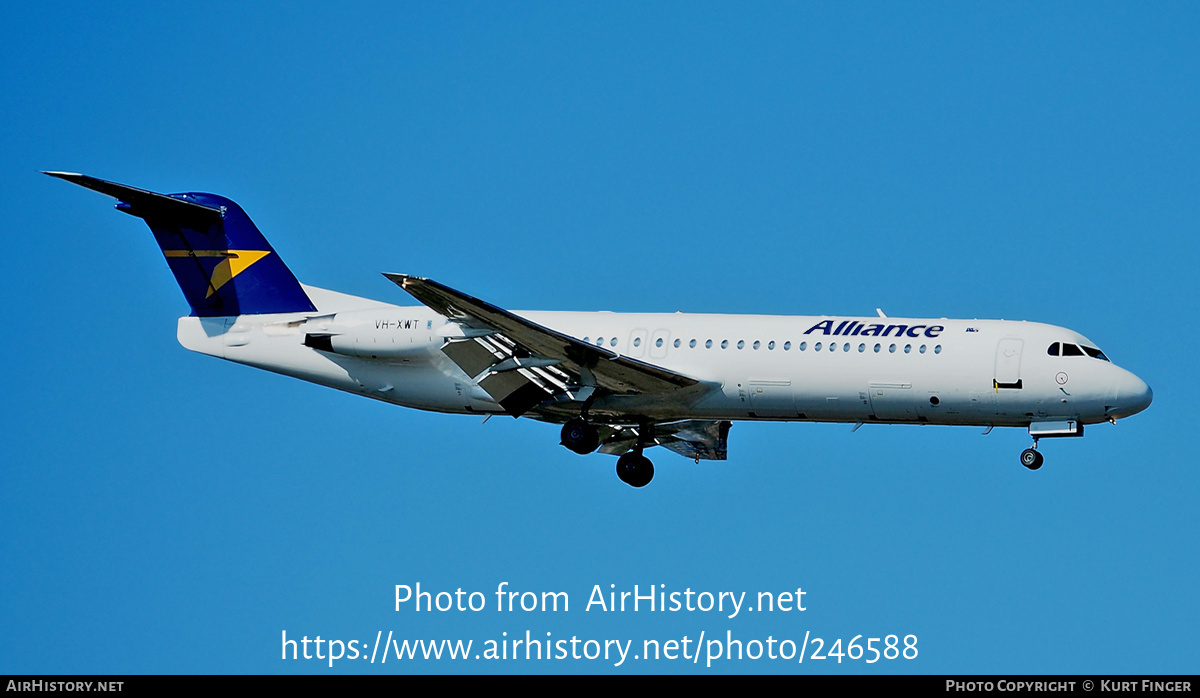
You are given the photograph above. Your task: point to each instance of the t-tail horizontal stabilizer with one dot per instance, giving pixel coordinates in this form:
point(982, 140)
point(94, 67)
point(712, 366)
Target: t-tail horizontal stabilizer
point(222, 262)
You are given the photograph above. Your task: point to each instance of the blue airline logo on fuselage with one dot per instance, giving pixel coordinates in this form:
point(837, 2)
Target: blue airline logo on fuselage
point(854, 328)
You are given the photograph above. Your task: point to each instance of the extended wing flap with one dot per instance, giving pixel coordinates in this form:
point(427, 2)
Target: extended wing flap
point(616, 373)
point(471, 356)
point(514, 391)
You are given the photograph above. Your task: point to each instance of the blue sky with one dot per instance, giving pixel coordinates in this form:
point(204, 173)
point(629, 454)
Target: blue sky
point(162, 511)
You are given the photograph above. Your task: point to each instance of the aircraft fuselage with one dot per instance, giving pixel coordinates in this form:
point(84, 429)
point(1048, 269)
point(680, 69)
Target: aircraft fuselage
point(781, 368)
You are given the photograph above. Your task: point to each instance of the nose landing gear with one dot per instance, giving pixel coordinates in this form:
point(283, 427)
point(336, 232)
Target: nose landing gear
point(1030, 458)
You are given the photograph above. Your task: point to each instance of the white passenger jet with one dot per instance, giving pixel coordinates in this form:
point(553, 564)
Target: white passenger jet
point(619, 382)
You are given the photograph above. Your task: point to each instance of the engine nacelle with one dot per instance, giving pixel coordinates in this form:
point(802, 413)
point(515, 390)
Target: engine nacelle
point(384, 333)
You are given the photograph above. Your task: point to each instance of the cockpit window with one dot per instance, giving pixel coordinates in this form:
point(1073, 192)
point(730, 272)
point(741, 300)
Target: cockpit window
point(1064, 349)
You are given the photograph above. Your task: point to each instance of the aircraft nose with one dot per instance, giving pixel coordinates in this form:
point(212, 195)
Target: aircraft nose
point(1132, 396)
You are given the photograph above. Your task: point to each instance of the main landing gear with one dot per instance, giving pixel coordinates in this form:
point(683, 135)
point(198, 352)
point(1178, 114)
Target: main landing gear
point(580, 436)
point(634, 469)
point(1030, 458)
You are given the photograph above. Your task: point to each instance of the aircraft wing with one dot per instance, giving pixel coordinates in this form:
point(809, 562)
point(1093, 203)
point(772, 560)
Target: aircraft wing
point(528, 363)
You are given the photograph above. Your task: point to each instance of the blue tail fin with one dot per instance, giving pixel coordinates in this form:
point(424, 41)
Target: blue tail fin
point(222, 262)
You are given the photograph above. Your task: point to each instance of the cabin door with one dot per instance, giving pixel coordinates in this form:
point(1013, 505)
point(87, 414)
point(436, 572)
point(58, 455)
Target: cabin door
point(1008, 364)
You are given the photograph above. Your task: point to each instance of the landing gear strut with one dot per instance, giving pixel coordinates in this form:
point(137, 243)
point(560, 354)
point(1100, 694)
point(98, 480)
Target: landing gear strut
point(1030, 458)
point(634, 469)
